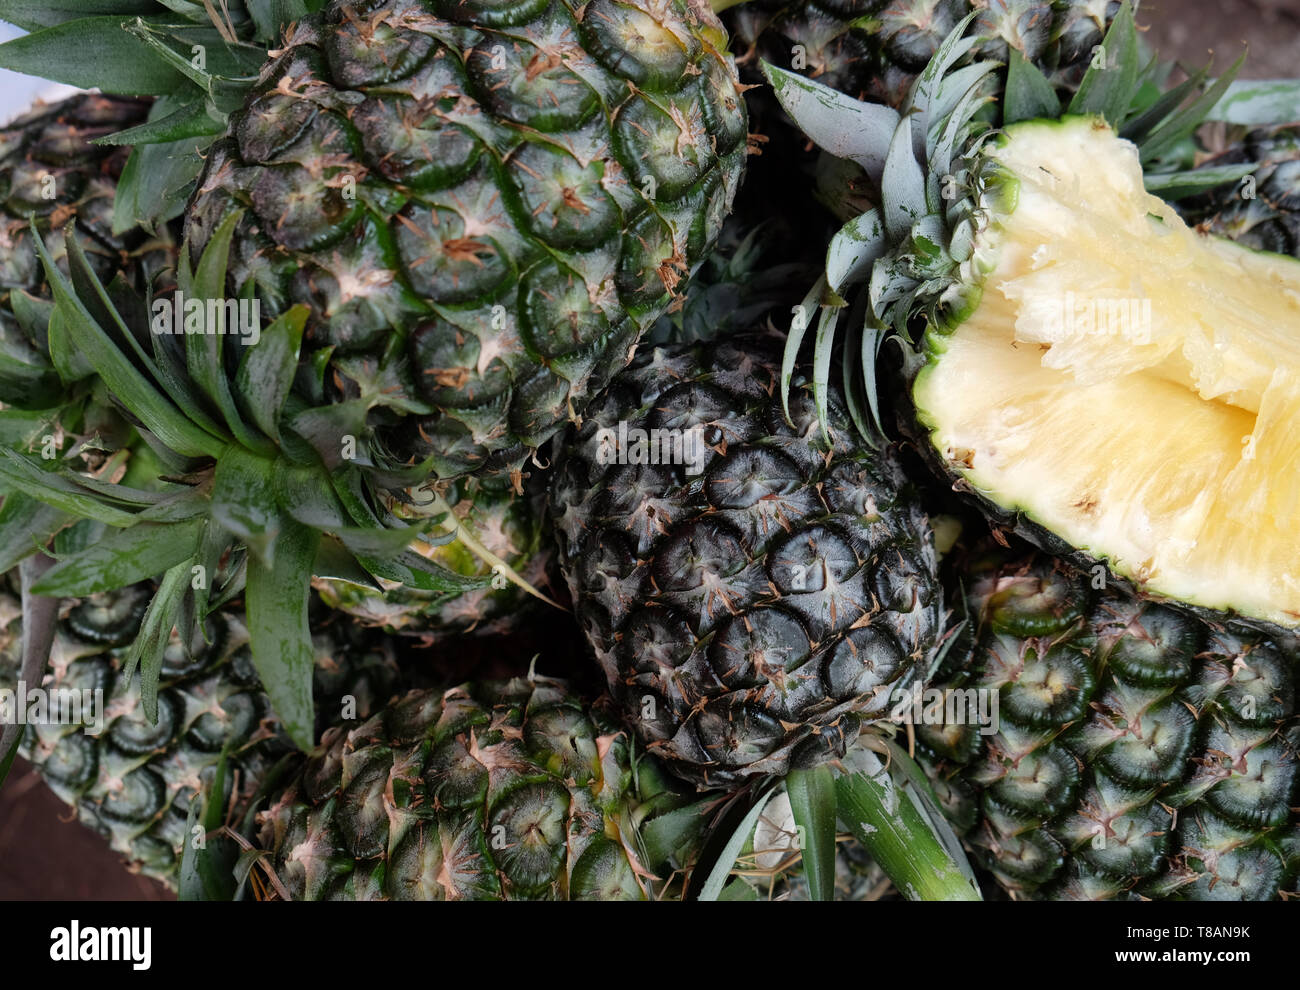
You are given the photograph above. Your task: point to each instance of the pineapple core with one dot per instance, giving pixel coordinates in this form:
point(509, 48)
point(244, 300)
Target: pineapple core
point(1128, 383)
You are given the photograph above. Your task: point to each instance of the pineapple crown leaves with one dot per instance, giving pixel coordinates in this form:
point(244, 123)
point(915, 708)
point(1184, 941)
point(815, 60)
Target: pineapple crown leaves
point(239, 476)
point(39, 614)
point(147, 47)
point(916, 255)
point(882, 797)
point(1258, 103)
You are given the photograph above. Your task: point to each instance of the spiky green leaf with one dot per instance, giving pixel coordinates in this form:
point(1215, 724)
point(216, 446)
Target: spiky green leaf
point(822, 348)
point(730, 852)
point(24, 474)
point(194, 117)
point(119, 373)
point(1174, 186)
point(244, 503)
point(91, 52)
point(812, 800)
point(1029, 94)
point(843, 126)
point(853, 250)
point(208, 859)
point(26, 429)
point(205, 352)
point(929, 85)
point(415, 570)
point(154, 635)
point(32, 15)
point(1108, 89)
point(1140, 125)
point(155, 184)
point(39, 616)
point(899, 834)
point(122, 558)
point(1258, 103)
point(902, 185)
point(802, 317)
point(276, 603)
point(266, 371)
point(1181, 124)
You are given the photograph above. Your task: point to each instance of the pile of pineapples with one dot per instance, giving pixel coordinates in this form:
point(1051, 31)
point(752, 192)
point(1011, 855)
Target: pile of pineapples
point(473, 449)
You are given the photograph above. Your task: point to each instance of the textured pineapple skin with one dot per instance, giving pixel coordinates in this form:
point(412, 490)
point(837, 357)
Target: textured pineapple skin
point(51, 173)
point(1140, 752)
point(496, 791)
point(135, 780)
point(484, 204)
point(750, 617)
point(1264, 213)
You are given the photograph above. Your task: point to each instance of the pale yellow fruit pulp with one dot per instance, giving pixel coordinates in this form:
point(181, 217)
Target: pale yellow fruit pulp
point(1131, 384)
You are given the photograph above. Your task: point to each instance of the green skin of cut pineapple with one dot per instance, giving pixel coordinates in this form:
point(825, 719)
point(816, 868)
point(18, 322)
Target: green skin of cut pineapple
point(497, 791)
point(483, 204)
point(748, 618)
point(973, 278)
point(135, 779)
point(1141, 753)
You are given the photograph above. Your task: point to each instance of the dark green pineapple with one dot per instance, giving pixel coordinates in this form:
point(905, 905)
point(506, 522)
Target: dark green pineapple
point(134, 780)
point(1140, 752)
point(1262, 210)
point(753, 605)
point(513, 790)
point(52, 172)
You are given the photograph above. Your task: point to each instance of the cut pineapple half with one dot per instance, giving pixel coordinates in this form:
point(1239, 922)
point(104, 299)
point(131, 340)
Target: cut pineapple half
point(1127, 383)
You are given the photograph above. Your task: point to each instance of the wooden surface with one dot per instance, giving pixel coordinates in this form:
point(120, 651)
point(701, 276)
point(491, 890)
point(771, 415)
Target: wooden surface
point(45, 854)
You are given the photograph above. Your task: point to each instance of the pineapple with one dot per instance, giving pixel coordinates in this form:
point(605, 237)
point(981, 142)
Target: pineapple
point(754, 594)
point(768, 249)
point(876, 48)
point(756, 590)
point(133, 781)
point(1095, 373)
point(1263, 211)
point(482, 206)
point(1139, 752)
point(51, 170)
point(510, 790)
point(462, 215)
point(534, 181)
point(830, 42)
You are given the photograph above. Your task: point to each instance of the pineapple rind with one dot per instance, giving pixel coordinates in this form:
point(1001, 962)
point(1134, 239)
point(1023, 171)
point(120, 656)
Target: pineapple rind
point(1173, 783)
point(527, 187)
point(496, 791)
point(749, 617)
point(134, 780)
